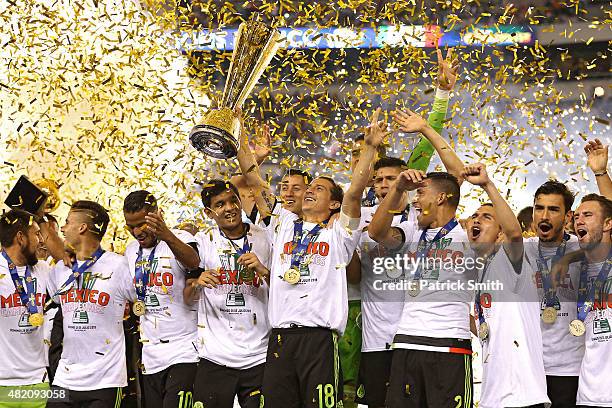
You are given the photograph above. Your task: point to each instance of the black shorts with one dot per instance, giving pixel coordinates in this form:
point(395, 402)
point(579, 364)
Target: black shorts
point(102, 398)
point(430, 379)
point(216, 386)
point(169, 388)
point(302, 369)
point(374, 372)
point(562, 390)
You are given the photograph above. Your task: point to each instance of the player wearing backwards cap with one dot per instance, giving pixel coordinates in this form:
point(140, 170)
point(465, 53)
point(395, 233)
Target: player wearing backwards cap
point(93, 294)
point(431, 364)
point(506, 317)
point(562, 352)
point(23, 286)
point(381, 309)
point(308, 300)
point(159, 260)
point(232, 296)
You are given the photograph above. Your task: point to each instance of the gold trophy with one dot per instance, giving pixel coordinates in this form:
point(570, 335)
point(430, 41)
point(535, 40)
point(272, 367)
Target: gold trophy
point(219, 134)
point(51, 187)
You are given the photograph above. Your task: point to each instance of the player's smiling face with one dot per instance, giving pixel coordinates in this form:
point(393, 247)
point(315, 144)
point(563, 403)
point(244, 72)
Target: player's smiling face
point(424, 203)
point(226, 210)
point(136, 225)
point(590, 224)
point(549, 216)
point(292, 189)
point(317, 197)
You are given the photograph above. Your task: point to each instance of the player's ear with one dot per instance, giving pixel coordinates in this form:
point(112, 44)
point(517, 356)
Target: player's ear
point(334, 205)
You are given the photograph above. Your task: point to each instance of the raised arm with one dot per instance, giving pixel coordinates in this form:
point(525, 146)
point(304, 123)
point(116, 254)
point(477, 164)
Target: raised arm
point(380, 229)
point(184, 253)
point(513, 244)
point(374, 135)
point(447, 77)
point(597, 160)
point(412, 122)
point(264, 198)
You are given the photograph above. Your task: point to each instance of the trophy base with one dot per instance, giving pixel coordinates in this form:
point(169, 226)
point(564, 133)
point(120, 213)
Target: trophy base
point(219, 134)
point(213, 142)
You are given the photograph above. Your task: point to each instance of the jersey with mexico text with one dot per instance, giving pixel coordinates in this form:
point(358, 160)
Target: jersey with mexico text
point(23, 349)
point(513, 368)
point(319, 299)
point(93, 355)
point(595, 383)
point(168, 328)
point(233, 324)
point(562, 351)
point(444, 312)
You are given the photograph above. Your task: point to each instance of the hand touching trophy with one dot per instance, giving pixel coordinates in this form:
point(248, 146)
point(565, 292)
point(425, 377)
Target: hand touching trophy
point(219, 134)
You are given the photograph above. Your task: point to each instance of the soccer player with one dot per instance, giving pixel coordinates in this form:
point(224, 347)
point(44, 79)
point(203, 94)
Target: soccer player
point(23, 286)
point(506, 309)
point(308, 299)
point(232, 298)
point(93, 294)
point(593, 225)
point(159, 260)
point(431, 363)
point(381, 309)
point(562, 352)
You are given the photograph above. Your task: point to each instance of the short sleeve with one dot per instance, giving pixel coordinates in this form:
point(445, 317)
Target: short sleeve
point(125, 282)
point(408, 229)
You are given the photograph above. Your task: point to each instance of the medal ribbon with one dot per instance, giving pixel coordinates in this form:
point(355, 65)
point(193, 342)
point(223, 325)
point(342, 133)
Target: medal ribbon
point(477, 304)
point(78, 271)
point(587, 297)
point(550, 297)
point(27, 294)
point(141, 273)
point(299, 245)
point(424, 246)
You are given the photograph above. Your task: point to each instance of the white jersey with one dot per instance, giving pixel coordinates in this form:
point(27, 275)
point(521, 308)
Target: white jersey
point(562, 351)
point(513, 368)
point(594, 385)
point(319, 299)
point(23, 359)
point(168, 328)
point(233, 324)
point(381, 307)
point(93, 355)
point(439, 313)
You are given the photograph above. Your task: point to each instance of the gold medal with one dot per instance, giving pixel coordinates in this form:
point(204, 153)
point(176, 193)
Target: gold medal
point(292, 276)
point(577, 328)
point(414, 288)
point(36, 319)
point(549, 315)
point(139, 308)
point(483, 331)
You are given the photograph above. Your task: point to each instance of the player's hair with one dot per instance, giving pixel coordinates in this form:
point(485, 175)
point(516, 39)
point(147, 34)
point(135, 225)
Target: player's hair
point(97, 216)
point(297, 172)
point(11, 223)
point(604, 203)
point(555, 187)
point(139, 200)
point(337, 194)
point(215, 187)
point(525, 218)
point(390, 162)
point(446, 183)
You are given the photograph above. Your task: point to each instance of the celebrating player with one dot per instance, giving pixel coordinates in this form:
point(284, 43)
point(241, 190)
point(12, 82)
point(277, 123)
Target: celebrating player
point(232, 296)
point(159, 260)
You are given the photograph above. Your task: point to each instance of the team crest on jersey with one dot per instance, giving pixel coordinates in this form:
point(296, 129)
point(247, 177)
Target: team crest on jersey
point(80, 317)
point(235, 299)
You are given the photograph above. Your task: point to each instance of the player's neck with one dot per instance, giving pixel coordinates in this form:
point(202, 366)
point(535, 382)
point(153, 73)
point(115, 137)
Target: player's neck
point(14, 252)
point(443, 217)
point(86, 248)
point(235, 232)
point(315, 218)
point(598, 253)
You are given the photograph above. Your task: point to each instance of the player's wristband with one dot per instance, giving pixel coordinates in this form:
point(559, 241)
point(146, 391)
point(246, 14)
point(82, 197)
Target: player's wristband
point(442, 94)
point(603, 173)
